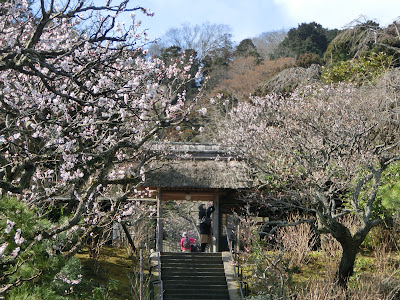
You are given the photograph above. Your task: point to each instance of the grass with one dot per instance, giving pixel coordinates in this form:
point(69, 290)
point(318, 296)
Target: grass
point(318, 266)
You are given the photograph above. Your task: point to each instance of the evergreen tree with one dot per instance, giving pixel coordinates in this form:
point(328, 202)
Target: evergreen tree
point(306, 38)
point(247, 48)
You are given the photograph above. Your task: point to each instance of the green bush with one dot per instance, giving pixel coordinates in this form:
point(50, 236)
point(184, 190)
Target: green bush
point(29, 262)
point(357, 71)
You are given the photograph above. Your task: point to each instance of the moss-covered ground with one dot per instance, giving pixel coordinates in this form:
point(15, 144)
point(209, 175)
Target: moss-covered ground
point(115, 273)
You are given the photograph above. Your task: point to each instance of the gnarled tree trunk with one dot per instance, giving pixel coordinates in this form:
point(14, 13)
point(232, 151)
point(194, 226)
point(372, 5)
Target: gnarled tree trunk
point(350, 247)
point(350, 244)
point(346, 266)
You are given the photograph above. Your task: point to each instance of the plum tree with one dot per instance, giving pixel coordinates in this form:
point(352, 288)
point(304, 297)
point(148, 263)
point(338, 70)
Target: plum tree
point(79, 99)
point(319, 141)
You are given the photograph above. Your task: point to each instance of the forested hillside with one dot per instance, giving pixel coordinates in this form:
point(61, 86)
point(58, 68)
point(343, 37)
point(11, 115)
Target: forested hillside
point(277, 61)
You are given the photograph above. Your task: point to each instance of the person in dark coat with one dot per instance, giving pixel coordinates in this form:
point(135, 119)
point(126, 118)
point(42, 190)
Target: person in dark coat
point(205, 225)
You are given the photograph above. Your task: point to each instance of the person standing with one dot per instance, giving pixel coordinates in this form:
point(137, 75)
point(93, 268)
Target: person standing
point(186, 242)
point(205, 225)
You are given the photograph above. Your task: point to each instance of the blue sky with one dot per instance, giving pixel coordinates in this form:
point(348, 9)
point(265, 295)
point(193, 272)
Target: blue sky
point(249, 18)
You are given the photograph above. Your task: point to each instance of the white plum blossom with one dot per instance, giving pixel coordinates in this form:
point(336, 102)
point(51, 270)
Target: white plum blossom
point(203, 111)
point(3, 248)
point(9, 227)
point(18, 238)
point(63, 278)
point(15, 253)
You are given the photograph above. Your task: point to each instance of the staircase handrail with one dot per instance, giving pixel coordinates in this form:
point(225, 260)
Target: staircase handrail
point(159, 280)
point(234, 269)
point(158, 265)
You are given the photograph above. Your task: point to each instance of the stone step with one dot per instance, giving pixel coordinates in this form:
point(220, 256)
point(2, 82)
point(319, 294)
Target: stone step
point(196, 297)
point(206, 276)
point(205, 292)
point(186, 266)
point(215, 279)
point(212, 260)
point(195, 255)
point(192, 261)
point(195, 285)
point(182, 274)
point(192, 253)
point(193, 276)
point(192, 283)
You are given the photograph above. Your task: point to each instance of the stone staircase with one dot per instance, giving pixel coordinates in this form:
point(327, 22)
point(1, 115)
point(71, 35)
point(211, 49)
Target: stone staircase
point(193, 276)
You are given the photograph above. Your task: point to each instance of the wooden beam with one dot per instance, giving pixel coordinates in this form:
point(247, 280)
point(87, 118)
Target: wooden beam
point(181, 195)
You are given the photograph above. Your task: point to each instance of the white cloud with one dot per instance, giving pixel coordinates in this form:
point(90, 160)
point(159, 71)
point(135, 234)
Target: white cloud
point(339, 13)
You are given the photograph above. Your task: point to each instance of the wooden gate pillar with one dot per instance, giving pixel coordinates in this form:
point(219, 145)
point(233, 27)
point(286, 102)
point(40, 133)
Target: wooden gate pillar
point(160, 237)
point(216, 224)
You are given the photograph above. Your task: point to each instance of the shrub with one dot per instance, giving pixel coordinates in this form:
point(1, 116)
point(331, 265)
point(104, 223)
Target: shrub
point(358, 71)
point(297, 241)
point(30, 264)
point(307, 59)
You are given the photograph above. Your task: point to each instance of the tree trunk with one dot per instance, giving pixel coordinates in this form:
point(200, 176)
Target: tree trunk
point(128, 236)
point(346, 266)
point(350, 247)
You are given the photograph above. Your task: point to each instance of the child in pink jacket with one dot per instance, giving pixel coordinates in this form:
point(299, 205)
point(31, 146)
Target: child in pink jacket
point(186, 245)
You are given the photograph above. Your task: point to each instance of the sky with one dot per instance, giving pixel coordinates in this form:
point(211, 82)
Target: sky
point(250, 18)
